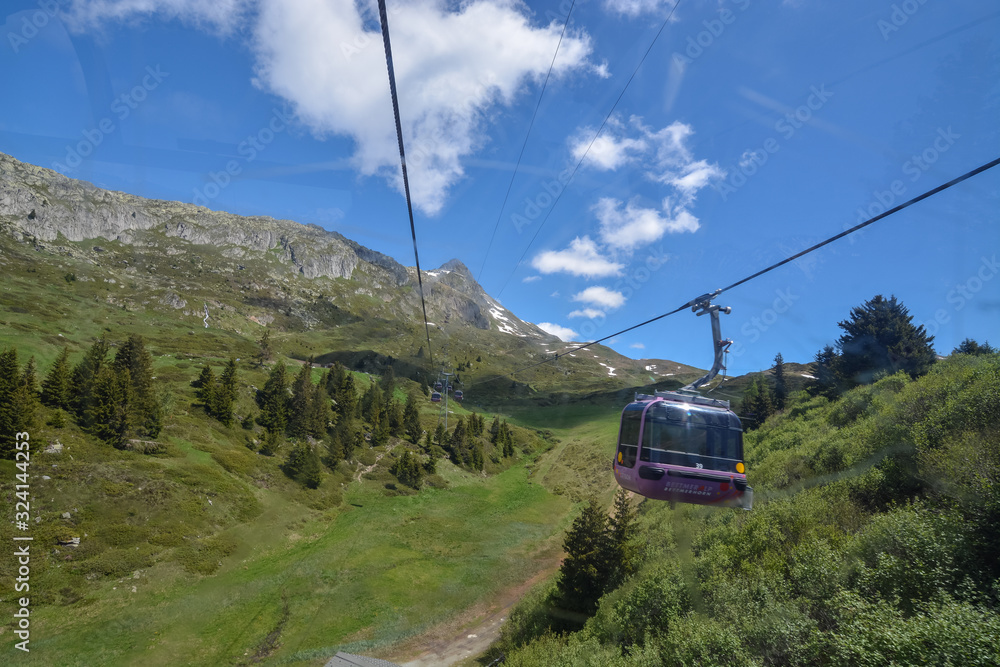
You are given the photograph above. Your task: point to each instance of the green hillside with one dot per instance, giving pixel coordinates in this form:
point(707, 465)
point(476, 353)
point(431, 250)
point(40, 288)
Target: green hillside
point(873, 541)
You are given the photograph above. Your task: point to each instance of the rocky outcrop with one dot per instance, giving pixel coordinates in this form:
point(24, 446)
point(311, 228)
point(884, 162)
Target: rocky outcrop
point(43, 204)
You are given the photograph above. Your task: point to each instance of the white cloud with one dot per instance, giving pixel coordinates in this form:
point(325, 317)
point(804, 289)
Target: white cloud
point(665, 157)
point(582, 258)
point(633, 8)
point(606, 152)
point(632, 226)
point(530, 279)
point(564, 334)
point(454, 64)
point(220, 15)
point(600, 296)
point(638, 346)
point(589, 313)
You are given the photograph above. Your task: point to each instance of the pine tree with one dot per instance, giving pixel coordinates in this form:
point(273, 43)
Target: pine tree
point(206, 388)
point(780, 385)
point(133, 357)
point(757, 404)
point(394, 416)
point(265, 351)
point(109, 412)
point(319, 417)
point(56, 386)
point(476, 459)
point(494, 429)
point(879, 338)
point(273, 401)
point(27, 396)
point(411, 420)
point(440, 435)
point(970, 346)
point(310, 475)
point(825, 382)
point(83, 377)
point(225, 397)
point(407, 470)
point(623, 552)
point(388, 383)
point(10, 410)
point(301, 403)
point(583, 575)
point(505, 439)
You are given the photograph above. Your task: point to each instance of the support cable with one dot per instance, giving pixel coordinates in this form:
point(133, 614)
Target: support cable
point(402, 161)
point(967, 175)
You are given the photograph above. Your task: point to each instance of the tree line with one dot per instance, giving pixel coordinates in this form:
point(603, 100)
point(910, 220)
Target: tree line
point(113, 399)
point(879, 339)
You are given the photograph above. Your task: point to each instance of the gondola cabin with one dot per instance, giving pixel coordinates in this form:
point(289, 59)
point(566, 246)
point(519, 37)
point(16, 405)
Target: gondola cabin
point(437, 386)
point(682, 448)
point(458, 395)
point(436, 397)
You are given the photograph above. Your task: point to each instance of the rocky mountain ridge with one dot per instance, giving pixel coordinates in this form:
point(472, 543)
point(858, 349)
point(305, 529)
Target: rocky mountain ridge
point(46, 207)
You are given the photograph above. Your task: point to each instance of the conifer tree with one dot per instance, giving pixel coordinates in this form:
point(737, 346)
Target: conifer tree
point(110, 410)
point(494, 429)
point(440, 437)
point(133, 357)
point(623, 552)
point(388, 382)
point(265, 350)
point(206, 388)
point(407, 470)
point(318, 418)
point(970, 346)
point(879, 337)
point(757, 404)
point(825, 382)
point(394, 417)
point(56, 385)
point(583, 575)
point(273, 400)
point(411, 420)
point(301, 404)
point(83, 377)
point(11, 398)
point(780, 384)
point(225, 397)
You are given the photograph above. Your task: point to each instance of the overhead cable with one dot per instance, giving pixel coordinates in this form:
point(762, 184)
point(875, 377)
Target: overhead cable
point(402, 161)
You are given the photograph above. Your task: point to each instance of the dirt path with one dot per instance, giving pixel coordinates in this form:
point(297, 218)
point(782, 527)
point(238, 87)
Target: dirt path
point(471, 633)
point(367, 469)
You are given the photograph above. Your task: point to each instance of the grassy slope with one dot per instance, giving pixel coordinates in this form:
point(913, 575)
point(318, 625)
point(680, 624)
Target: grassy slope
point(872, 541)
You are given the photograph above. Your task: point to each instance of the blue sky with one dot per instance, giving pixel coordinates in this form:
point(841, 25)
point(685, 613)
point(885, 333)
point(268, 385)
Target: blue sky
point(751, 131)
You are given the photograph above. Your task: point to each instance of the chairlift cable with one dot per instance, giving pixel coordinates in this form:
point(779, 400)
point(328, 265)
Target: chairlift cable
point(592, 141)
point(531, 124)
point(384, 19)
point(967, 175)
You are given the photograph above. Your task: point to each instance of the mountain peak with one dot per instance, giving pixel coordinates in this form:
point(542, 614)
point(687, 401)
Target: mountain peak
point(457, 266)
